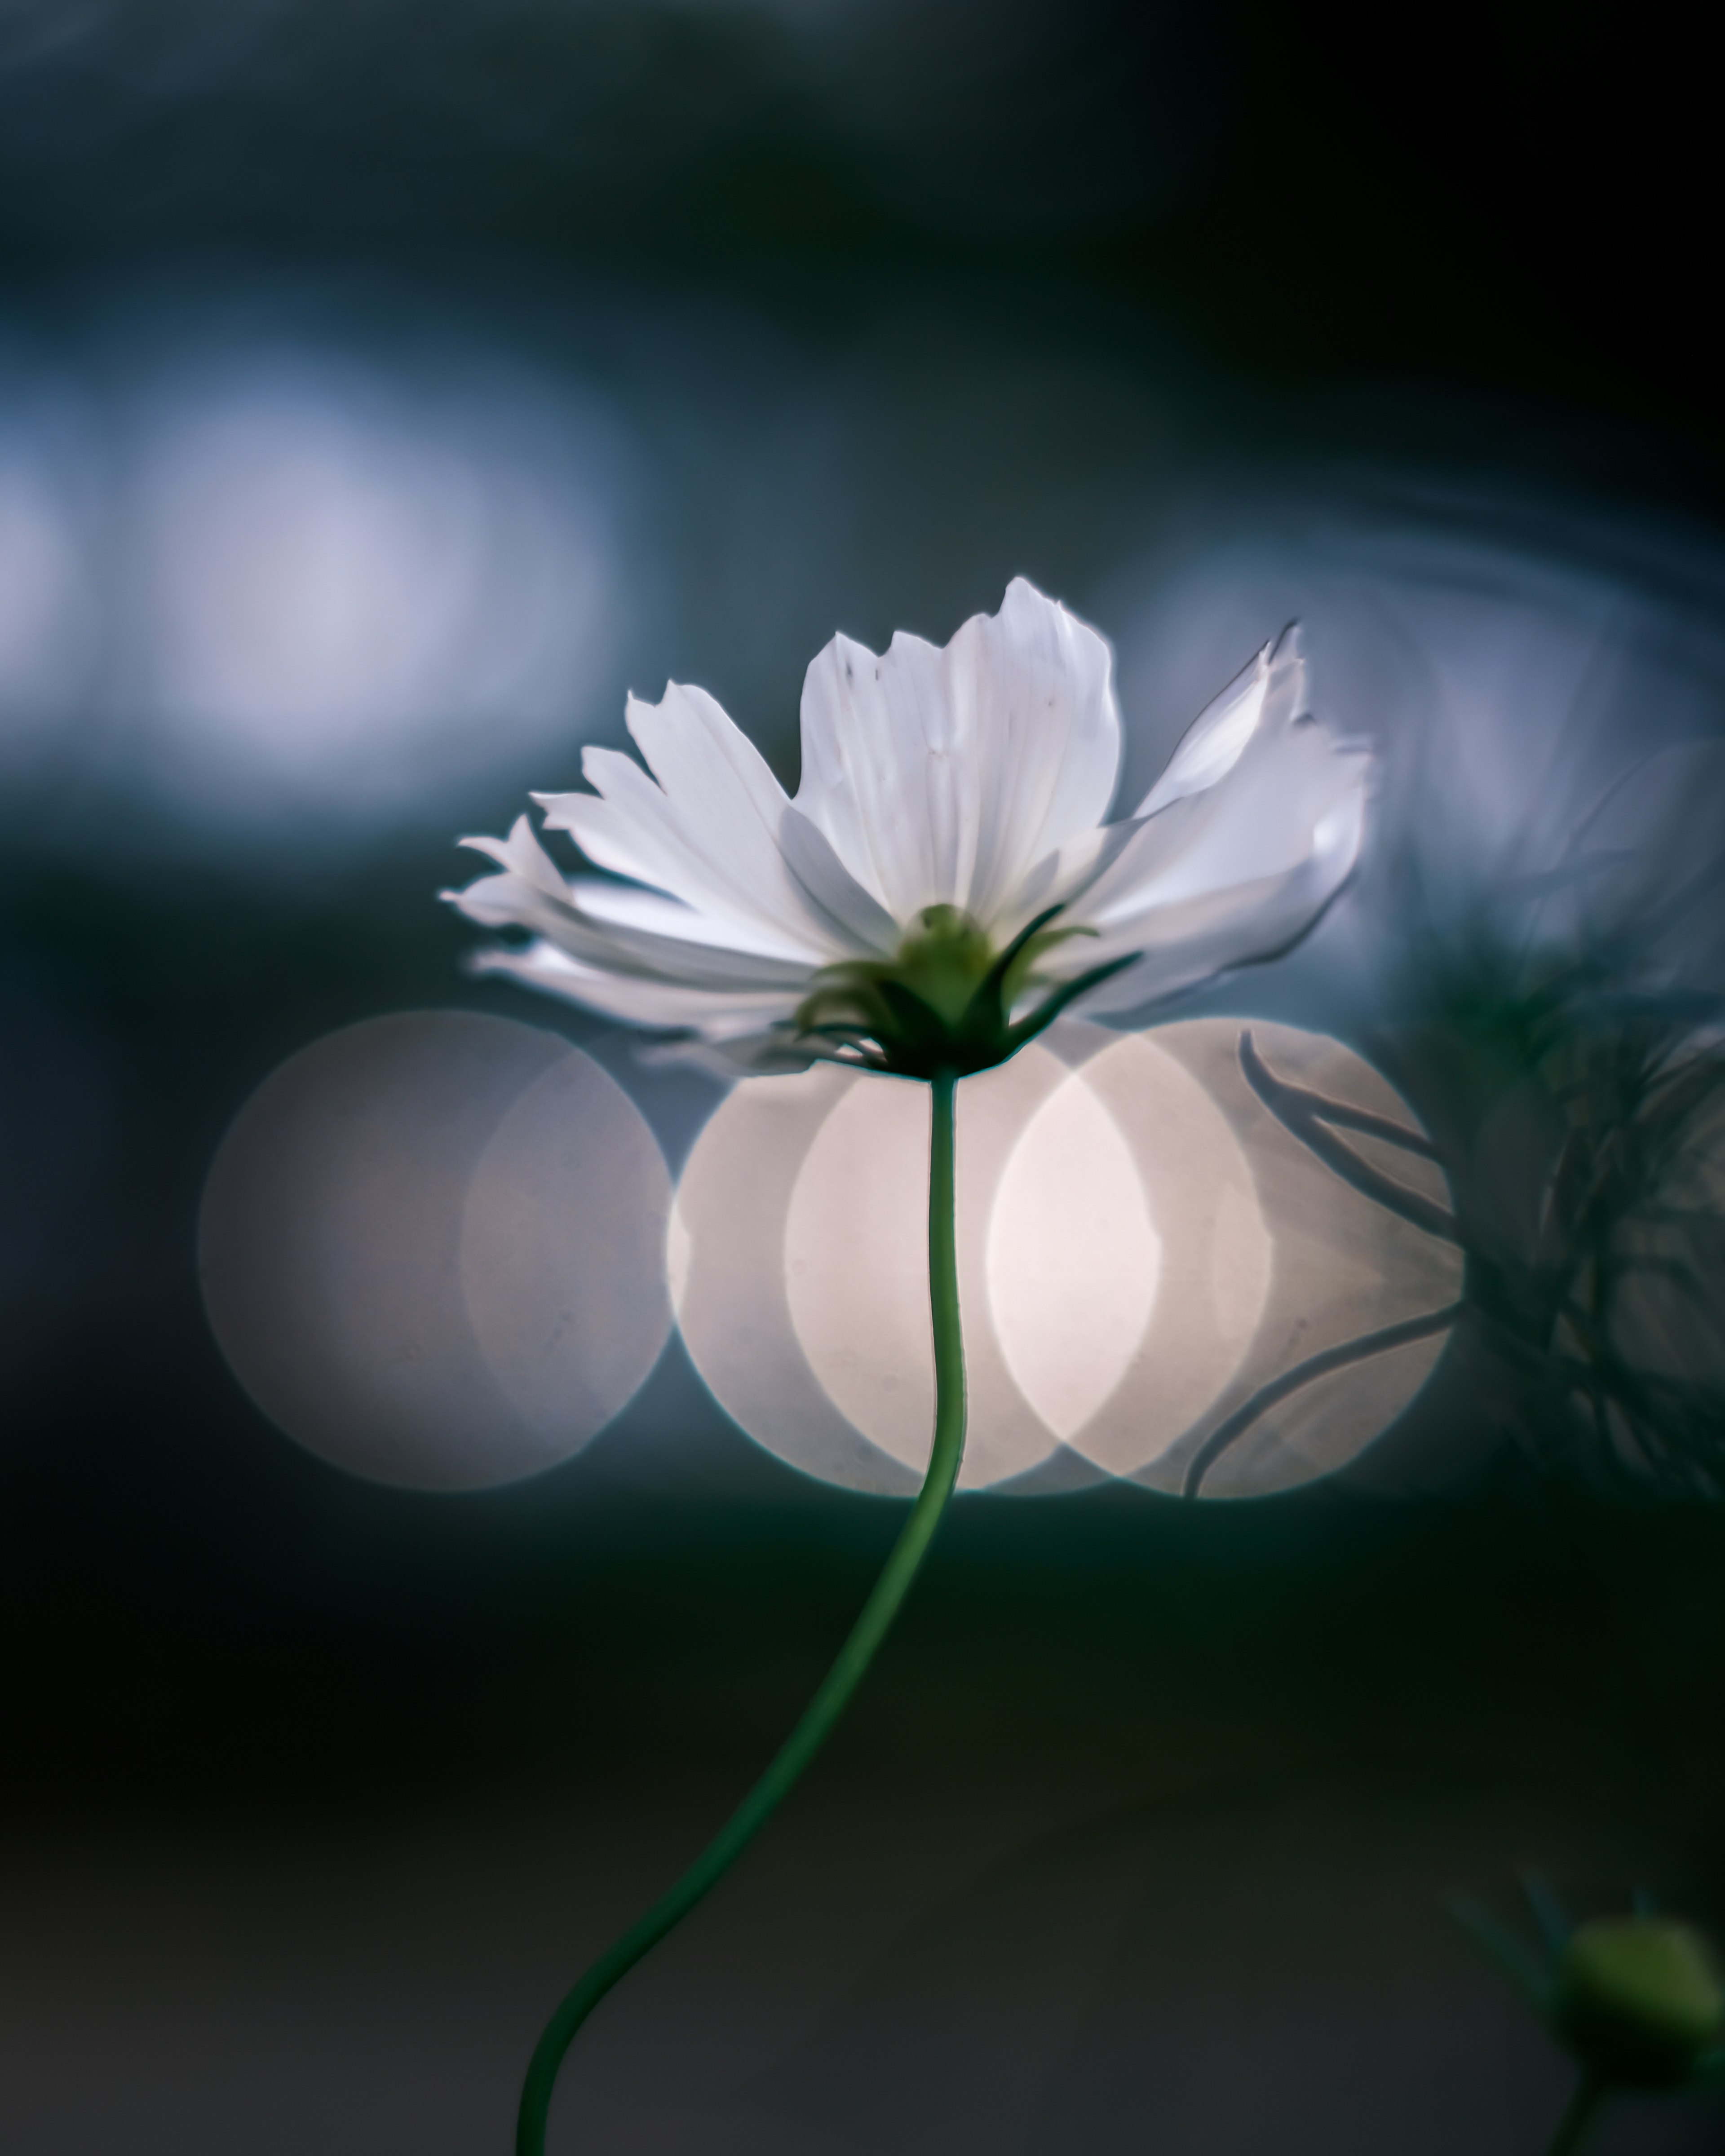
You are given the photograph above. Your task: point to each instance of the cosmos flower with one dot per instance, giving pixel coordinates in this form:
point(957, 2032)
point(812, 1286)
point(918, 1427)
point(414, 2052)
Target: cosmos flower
point(943, 883)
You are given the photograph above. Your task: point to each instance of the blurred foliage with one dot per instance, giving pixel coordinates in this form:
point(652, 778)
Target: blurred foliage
point(1590, 1188)
point(1571, 1039)
point(1636, 2000)
point(1564, 1038)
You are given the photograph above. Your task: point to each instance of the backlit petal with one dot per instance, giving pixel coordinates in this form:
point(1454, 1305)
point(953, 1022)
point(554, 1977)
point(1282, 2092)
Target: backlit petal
point(673, 1006)
point(944, 777)
point(704, 825)
point(974, 776)
point(1266, 693)
point(665, 943)
point(1192, 938)
point(1260, 821)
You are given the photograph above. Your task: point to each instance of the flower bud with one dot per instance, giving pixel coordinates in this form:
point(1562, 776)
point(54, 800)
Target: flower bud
point(1638, 1998)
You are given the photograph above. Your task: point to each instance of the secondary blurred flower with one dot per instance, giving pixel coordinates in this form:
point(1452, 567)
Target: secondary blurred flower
point(943, 883)
point(1637, 2001)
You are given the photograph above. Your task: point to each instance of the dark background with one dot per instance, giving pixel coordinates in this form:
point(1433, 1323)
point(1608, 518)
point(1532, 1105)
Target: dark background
point(316, 1793)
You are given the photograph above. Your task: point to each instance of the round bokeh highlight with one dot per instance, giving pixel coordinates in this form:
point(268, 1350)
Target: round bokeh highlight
point(1148, 1259)
point(432, 1249)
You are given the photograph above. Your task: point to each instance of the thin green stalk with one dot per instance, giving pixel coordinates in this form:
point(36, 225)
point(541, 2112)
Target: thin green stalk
point(1573, 2123)
point(841, 1680)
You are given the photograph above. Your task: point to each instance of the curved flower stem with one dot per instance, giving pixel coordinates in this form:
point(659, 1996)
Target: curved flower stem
point(1573, 2123)
point(841, 1680)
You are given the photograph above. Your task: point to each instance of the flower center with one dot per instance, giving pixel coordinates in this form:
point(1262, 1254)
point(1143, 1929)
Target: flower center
point(945, 959)
point(943, 1001)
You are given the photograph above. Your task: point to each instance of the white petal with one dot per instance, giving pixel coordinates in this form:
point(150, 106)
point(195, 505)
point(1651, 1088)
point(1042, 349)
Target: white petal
point(1262, 822)
point(947, 776)
point(1195, 938)
point(1249, 834)
point(625, 829)
point(856, 914)
point(1045, 690)
point(707, 832)
point(629, 826)
point(522, 856)
point(602, 903)
point(655, 947)
point(855, 924)
point(670, 1006)
point(718, 833)
point(877, 768)
point(1060, 877)
point(1269, 691)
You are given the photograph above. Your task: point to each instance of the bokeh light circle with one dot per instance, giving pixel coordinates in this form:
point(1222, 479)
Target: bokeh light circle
point(1218, 1246)
point(856, 1268)
point(352, 594)
point(727, 1272)
point(432, 1249)
point(1074, 1261)
point(1344, 1267)
point(562, 1238)
point(1143, 1248)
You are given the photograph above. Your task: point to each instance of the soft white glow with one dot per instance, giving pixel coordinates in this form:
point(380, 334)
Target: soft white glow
point(45, 614)
point(1216, 1246)
point(727, 1254)
point(355, 594)
point(1142, 1247)
point(1510, 661)
point(1112, 1265)
point(431, 1249)
point(1073, 1258)
point(1343, 1266)
point(561, 1241)
point(855, 1260)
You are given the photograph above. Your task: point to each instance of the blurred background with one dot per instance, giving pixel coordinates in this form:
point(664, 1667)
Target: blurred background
point(384, 390)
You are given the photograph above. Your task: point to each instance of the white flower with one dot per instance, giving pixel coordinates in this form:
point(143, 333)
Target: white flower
point(943, 881)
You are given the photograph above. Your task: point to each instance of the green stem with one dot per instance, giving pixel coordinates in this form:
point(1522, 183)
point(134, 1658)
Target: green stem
point(841, 1680)
point(1573, 2123)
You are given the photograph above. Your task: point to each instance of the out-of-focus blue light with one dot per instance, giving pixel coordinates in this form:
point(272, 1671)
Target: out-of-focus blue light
point(49, 625)
point(1512, 666)
point(329, 591)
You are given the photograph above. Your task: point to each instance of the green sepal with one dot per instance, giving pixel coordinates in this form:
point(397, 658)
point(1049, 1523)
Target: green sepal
point(944, 1003)
point(1068, 993)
